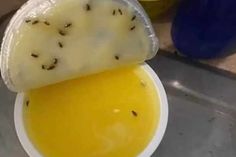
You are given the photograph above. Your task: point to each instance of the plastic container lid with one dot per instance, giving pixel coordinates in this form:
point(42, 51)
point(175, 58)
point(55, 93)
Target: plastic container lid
point(34, 7)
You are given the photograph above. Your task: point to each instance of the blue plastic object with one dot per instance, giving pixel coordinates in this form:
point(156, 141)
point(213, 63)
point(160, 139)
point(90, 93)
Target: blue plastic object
point(205, 28)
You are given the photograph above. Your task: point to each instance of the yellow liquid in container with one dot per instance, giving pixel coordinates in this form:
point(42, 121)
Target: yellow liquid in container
point(111, 114)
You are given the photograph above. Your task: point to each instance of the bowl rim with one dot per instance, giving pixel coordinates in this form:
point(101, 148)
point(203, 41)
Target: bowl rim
point(147, 152)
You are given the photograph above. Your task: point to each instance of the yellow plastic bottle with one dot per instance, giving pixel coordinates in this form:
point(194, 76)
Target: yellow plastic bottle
point(155, 8)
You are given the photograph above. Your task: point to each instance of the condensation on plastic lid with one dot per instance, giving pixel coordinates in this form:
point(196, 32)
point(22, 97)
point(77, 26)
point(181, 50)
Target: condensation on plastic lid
point(34, 7)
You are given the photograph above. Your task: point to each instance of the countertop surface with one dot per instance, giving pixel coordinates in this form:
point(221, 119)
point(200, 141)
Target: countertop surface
point(163, 29)
point(202, 112)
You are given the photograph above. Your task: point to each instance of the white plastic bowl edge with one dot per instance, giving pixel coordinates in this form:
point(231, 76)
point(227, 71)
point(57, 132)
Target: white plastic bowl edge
point(148, 151)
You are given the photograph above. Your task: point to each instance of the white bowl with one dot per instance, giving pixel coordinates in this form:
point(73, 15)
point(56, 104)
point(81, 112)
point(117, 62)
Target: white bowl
point(148, 151)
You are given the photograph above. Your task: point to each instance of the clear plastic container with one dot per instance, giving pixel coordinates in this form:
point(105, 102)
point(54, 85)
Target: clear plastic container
point(34, 7)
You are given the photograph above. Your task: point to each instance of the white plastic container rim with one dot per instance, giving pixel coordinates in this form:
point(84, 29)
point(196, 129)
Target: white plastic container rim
point(147, 152)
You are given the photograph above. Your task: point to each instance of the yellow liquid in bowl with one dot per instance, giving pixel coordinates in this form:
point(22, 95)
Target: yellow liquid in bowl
point(111, 114)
